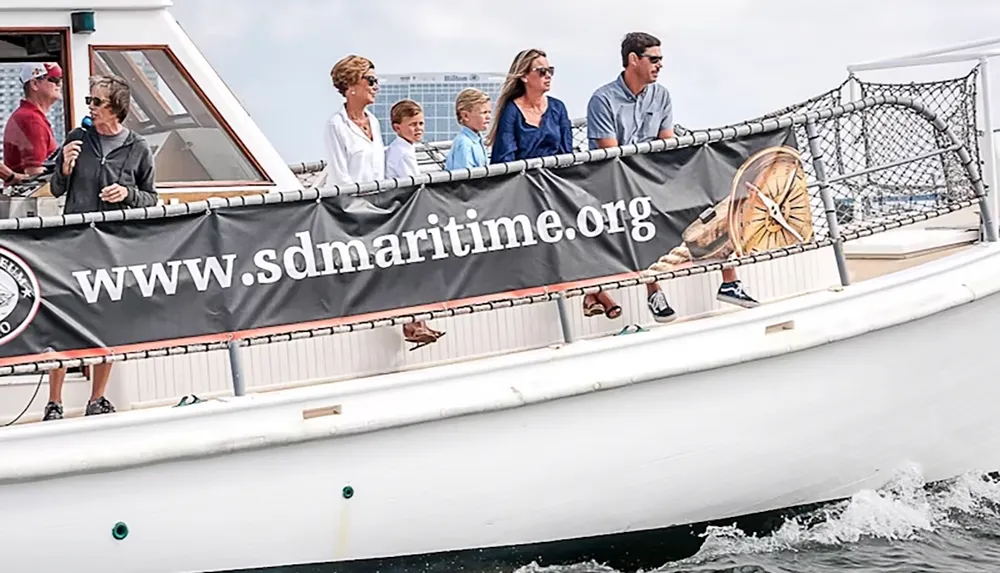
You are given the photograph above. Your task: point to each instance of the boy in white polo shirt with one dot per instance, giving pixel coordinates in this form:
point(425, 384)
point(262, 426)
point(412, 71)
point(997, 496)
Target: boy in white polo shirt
point(408, 122)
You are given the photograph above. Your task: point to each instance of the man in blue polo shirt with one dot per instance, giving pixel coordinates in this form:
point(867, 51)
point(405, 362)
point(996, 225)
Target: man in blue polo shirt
point(634, 109)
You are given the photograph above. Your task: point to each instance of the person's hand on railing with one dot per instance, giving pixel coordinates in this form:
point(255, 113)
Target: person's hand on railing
point(15, 178)
point(27, 185)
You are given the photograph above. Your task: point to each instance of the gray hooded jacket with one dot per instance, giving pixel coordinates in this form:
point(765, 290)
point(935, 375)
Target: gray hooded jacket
point(131, 166)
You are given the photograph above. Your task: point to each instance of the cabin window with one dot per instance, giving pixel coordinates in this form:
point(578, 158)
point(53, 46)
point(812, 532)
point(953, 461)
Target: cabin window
point(21, 47)
point(190, 141)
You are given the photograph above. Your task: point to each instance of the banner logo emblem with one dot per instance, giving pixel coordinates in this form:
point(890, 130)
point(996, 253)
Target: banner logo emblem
point(19, 296)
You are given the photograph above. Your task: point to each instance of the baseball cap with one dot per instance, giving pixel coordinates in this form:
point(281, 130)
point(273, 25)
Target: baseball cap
point(35, 71)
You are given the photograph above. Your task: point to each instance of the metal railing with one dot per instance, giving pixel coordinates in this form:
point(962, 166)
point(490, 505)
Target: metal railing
point(820, 125)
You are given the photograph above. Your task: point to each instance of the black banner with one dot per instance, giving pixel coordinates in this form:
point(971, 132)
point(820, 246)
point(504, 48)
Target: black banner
point(91, 289)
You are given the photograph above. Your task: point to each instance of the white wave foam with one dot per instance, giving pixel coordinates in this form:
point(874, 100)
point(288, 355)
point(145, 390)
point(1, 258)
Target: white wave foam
point(902, 510)
point(589, 567)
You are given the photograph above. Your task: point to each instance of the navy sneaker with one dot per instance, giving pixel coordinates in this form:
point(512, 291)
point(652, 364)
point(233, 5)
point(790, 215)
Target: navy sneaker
point(733, 293)
point(100, 406)
point(53, 411)
point(660, 308)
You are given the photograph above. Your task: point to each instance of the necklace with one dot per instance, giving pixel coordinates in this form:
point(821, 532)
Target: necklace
point(361, 122)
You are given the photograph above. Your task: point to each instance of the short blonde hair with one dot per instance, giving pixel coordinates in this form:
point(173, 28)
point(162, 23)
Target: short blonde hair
point(403, 110)
point(349, 71)
point(468, 99)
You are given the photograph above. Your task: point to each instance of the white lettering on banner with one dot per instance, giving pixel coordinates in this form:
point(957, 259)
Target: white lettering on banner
point(157, 275)
point(308, 259)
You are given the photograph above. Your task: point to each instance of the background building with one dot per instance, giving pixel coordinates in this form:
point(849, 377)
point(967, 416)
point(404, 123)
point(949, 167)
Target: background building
point(11, 93)
point(436, 93)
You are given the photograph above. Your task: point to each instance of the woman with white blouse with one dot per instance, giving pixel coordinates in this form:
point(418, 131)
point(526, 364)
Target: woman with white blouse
point(355, 152)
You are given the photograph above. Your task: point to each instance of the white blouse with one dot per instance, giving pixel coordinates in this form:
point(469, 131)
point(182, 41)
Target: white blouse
point(350, 156)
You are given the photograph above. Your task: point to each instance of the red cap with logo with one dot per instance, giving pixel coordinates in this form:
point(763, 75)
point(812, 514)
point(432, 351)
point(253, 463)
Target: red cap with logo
point(37, 71)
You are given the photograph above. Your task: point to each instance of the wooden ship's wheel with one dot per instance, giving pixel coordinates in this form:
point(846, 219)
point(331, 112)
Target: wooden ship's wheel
point(769, 203)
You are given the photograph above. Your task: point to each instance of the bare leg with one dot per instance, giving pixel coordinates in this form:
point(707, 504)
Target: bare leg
point(100, 381)
point(729, 275)
point(56, 379)
point(604, 297)
point(651, 288)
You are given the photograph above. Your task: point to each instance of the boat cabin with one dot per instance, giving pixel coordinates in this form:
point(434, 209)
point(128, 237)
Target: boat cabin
point(205, 143)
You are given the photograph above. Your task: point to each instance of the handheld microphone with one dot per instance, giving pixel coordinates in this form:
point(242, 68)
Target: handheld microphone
point(87, 122)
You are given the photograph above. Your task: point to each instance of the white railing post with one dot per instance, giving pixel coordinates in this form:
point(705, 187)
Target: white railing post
point(828, 204)
point(236, 368)
point(567, 328)
point(989, 162)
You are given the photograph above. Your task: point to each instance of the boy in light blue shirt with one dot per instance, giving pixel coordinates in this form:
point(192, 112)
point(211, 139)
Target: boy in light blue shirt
point(472, 109)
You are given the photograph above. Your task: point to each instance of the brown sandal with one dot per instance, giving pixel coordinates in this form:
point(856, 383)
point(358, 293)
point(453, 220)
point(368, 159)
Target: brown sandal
point(613, 312)
point(423, 336)
point(592, 308)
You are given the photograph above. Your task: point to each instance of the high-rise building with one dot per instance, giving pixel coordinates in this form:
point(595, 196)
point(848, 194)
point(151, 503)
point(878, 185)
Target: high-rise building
point(11, 94)
point(435, 93)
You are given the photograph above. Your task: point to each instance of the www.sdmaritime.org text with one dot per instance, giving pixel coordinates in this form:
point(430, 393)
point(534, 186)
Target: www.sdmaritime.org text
point(308, 259)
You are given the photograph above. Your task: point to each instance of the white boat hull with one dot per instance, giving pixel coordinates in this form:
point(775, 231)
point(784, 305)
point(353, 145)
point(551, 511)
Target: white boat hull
point(802, 401)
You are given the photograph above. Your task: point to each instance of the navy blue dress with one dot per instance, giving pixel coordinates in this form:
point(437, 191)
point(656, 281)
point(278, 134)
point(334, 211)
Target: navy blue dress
point(517, 139)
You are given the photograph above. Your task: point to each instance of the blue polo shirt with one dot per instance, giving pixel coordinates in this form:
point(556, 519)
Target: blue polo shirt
point(467, 151)
point(615, 112)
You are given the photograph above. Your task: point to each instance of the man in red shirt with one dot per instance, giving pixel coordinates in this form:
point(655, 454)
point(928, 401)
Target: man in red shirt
point(28, 139)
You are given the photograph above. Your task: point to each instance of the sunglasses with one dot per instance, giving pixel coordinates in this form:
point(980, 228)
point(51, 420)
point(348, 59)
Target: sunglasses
point(545, 72)
point(94, 101)
point(652, 59)
point(51, 80)
point(372, 80)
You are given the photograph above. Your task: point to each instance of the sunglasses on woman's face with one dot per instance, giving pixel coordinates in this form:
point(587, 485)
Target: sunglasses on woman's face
point(372, 80)
point(94, 101)
point(545, 72)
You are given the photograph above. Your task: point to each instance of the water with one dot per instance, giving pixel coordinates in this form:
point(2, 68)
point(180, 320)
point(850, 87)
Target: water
point(905, 527)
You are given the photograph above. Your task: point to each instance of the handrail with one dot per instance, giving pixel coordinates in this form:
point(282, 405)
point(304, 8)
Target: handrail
point(691, 139)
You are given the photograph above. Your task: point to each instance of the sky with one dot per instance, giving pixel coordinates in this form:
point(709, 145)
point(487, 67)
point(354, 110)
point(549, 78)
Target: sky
point(726, 60)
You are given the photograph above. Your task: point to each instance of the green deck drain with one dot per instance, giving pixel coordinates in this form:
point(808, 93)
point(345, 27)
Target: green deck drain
point(348, 492)
point(119, 531)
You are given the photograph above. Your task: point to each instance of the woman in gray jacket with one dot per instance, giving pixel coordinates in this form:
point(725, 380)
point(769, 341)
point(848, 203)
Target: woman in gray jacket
point(105, 166)
point(102, 166)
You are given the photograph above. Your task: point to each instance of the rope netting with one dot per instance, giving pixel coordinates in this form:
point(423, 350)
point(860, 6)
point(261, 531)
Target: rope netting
point(924, 177)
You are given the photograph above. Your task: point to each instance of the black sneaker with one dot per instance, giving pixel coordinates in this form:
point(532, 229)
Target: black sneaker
point(53, 411)
point(660, 308)
point(733, 293)
point(100, 406)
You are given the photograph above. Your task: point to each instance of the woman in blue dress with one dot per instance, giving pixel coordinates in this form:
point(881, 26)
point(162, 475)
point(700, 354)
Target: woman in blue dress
point(529, 123)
